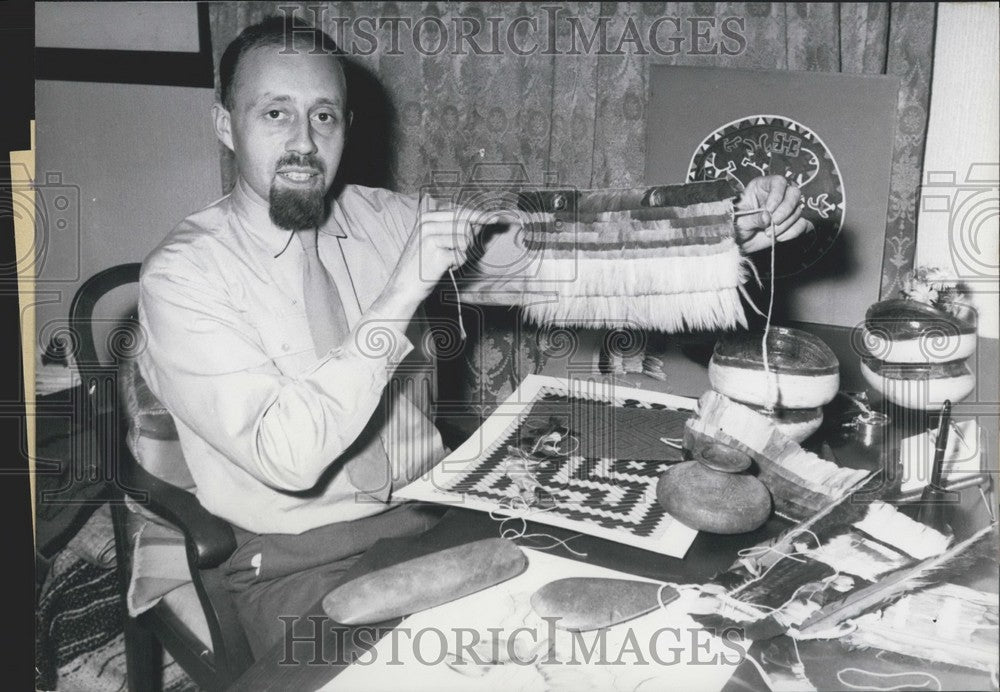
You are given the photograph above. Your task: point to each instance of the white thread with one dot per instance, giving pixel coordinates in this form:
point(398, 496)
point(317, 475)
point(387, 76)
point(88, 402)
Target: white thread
point(667, 585)
point(841, 680)
point(649, 679)
point(772, 387)
point(764, 549)
point(511, 533)
point(816, 586)
point(675, 442)
point(799, 668)
point(458, 298)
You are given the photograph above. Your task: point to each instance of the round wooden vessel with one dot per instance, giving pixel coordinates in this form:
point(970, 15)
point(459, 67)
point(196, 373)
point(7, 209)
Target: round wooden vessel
point(723, 458)
point(919, 386)
point(712, 501)
point(804, 371)
point(711, 492)
point(908, 331)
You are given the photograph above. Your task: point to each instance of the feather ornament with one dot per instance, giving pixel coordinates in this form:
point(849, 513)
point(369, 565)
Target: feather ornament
point(891, 587)
point(946, 623)
point(837, 516)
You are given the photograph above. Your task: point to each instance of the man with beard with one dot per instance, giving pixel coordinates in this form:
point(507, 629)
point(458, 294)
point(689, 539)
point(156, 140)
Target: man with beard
point(276, 317)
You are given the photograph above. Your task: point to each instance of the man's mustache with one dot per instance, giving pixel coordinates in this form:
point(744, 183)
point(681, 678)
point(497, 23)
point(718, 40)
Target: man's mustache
point(300, 161)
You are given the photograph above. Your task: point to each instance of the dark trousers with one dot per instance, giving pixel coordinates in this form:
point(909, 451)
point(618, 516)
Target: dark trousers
point(274, 575)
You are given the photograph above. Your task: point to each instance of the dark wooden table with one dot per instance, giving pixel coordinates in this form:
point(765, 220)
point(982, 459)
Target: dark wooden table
point(304, 666)
point(708, 555)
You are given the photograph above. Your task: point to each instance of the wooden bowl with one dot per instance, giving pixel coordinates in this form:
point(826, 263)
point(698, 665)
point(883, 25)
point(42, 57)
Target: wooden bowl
point(804, 371)
point(908, 331)
point(923, 386)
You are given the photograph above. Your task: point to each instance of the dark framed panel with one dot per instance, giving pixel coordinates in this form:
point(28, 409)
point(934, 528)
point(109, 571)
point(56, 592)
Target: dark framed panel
point(163, 68)
point(853, 115)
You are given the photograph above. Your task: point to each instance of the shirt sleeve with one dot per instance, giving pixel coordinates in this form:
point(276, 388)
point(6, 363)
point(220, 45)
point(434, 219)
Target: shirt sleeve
point(400, 212)
point(205, 363)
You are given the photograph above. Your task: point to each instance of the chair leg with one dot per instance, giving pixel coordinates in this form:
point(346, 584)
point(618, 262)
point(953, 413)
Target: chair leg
point(143, 658)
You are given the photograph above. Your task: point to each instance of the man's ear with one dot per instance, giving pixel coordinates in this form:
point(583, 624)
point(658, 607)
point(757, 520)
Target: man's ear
point(223, 125)
point(350, 118)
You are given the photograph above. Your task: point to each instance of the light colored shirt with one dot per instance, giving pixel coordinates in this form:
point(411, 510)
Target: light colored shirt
point(265, 424)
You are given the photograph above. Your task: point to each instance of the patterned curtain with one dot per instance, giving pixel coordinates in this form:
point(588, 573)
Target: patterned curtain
point(581, 117)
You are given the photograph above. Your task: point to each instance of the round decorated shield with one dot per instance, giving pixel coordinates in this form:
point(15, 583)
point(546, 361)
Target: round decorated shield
point(758, 145)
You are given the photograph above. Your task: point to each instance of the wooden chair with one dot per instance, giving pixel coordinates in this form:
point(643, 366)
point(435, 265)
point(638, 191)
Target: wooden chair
point(209, 541)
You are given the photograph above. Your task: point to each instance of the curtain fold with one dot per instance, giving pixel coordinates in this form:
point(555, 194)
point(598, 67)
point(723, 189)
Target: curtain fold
point(582, 117)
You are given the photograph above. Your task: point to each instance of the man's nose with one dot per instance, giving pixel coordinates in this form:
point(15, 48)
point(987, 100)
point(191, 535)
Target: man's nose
point(301, 140)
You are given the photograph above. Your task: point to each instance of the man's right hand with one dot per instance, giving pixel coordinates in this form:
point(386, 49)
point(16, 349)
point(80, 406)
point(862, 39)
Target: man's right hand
point(440, 241)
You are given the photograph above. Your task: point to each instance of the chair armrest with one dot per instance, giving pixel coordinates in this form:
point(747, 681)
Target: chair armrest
point(210, 540)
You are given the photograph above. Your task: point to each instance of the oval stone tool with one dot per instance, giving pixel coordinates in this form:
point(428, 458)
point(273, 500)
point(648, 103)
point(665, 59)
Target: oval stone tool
point(424, 582)
point(584, 603)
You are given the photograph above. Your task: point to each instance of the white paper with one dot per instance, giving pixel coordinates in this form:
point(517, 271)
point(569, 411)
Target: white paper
point(961, 458)
point(672, 537)
point(665, 649)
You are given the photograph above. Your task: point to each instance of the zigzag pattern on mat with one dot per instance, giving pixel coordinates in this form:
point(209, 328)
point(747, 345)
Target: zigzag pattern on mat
point(79, 643)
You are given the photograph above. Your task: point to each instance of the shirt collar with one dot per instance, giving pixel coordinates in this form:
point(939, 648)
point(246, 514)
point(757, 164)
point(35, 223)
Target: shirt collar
point(257, 220)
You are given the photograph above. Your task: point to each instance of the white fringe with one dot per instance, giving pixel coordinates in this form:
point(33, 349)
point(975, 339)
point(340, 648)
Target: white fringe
point(675, 312)
point(590, 276)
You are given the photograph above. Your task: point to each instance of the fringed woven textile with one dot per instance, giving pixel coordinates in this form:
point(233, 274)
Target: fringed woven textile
point(662, 258)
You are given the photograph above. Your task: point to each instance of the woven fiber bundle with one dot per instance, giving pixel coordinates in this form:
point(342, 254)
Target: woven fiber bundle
point(662, 258)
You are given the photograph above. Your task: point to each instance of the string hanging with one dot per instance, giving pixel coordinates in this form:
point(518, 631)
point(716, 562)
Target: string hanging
point(772, 383)
point(458, 307)
point(930, 678)
point(772, 233)
point(512, 534)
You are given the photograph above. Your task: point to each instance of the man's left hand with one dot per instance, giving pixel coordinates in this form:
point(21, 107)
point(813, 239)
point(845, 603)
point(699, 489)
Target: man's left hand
point(781, 202)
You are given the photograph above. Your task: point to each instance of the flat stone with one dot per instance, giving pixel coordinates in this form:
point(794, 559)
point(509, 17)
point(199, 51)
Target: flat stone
point(587, 603)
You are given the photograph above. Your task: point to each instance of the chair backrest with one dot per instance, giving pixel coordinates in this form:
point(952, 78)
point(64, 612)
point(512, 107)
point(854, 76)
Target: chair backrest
point(82, 317)
point(113, 379)
point(122, 408)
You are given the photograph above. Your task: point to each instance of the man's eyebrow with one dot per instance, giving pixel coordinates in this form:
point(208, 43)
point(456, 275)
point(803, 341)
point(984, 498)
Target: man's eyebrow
point(268, 97)
point(339, 103)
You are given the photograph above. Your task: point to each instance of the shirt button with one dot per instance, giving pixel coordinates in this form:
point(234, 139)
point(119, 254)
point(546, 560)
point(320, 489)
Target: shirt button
point(284, 347)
